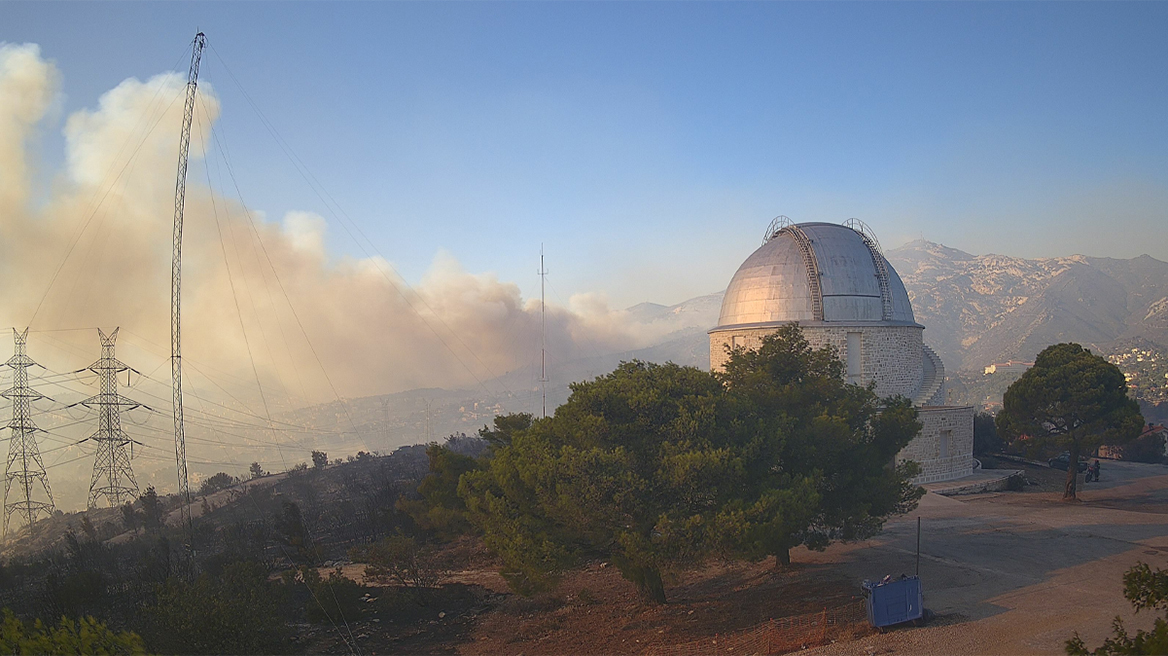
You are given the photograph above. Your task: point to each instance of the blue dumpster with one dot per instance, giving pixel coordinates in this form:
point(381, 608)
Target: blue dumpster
point(892, 601)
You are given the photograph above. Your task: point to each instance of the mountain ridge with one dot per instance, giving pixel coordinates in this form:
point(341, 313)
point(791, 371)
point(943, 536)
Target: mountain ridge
point(980, 309)
point(976, 309)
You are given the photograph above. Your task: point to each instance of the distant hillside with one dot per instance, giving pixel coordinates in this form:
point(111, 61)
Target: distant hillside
point(989, 308)
point(980, 309)
point(977, 309)
point(700, 312)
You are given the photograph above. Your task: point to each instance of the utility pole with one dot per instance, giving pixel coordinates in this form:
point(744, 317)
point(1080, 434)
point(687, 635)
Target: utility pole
point(113, 477)
point(24, 466)
point(180, 194)
point(385, 413)
point(542, 335)
point(427, 429)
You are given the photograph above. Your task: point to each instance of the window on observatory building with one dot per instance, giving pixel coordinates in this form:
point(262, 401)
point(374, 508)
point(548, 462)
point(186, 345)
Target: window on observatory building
point(855, 357)
point(945, 435)
point(735, 342)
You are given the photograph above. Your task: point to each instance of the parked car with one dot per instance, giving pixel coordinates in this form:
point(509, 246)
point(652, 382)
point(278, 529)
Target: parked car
point(1063, 459)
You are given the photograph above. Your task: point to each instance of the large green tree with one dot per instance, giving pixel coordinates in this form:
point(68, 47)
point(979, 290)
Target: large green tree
point(440, 510)
point(631, 469)
point(506, 426)
point(1070, 399)
point(659, 466)
point(819, 453)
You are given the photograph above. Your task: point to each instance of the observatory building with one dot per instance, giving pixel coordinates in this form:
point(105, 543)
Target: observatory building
point(834, 281)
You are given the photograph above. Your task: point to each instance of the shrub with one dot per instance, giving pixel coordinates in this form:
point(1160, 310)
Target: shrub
point(153, 514)
point(401, 559)
point(1149, 448)
point(220, 481)
point(985, 435)
point(334, 599)
point(237, 612)
point(85, 636)
point(290, 528)
point(319, 459)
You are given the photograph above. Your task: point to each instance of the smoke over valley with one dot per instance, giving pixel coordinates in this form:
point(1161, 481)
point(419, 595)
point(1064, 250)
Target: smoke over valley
point(272, 320)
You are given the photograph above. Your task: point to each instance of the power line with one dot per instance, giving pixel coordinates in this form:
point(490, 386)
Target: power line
point(287, 299)
point(108, 189)
point(321, 193)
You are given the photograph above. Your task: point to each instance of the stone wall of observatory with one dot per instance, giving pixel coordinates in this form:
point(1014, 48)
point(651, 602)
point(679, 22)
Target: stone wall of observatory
point(944, 447)
point(889, 355)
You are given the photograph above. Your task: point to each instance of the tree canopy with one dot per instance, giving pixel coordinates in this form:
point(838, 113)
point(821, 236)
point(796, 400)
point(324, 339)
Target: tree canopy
point(1070, 399)
point(660, 466)
point(820, 452)
point(440, 510)
point(628, 469)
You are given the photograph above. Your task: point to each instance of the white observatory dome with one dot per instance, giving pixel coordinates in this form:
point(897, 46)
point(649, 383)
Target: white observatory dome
point(834, 281)
point(816, 272)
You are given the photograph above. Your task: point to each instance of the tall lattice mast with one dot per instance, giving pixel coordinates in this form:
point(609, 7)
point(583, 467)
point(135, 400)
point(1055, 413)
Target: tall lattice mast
point(543, 379)
point(24, 467)
point(180, 193)
point(113, 477)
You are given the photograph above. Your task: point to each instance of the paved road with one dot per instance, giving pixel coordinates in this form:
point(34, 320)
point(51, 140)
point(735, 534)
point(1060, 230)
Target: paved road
point(1018, 572)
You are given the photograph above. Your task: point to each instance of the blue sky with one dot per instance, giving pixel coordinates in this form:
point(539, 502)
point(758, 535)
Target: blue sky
point(649, 144)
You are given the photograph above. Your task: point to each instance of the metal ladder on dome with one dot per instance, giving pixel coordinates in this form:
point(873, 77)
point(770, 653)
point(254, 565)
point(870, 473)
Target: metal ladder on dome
point(865, 233)
point(804, 244)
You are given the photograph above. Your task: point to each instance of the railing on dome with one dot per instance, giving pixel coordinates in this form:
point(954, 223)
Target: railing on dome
point(865, 231)
point(776, 226)
point(781, 224)
point(873, 245)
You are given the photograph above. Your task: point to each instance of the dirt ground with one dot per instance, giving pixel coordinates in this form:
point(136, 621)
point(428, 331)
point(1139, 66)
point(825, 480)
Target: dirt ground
point(1005, 573)
point(594, 611)
point(1019, 573)
point(597, 612)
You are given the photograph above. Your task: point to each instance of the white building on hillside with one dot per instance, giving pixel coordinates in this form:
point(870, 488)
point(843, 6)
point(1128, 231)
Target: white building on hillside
point(834, 281)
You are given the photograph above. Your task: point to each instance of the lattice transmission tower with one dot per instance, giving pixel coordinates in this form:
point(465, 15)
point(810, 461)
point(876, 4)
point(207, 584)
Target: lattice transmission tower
point(113, 477)
point(24, 467)
point(180, 196)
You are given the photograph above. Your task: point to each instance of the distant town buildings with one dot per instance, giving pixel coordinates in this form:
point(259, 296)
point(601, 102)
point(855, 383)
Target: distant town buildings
point(1008, 367)
point(834, 281)
point(1145, 368)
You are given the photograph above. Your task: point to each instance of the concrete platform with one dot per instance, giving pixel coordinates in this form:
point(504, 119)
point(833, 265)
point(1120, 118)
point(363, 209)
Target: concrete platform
point(982, 480)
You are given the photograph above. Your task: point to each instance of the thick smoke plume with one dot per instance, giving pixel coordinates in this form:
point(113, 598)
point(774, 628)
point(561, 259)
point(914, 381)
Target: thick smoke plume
point(107, 217)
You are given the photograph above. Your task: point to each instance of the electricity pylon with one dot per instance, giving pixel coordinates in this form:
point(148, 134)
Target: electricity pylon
point(113, 478)
point(24, 466)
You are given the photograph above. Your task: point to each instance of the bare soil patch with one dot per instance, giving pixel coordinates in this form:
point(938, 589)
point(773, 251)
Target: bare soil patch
point(594, 611)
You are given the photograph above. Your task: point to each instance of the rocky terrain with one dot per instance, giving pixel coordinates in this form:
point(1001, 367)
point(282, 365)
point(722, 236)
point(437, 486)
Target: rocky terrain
point(990, 308)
